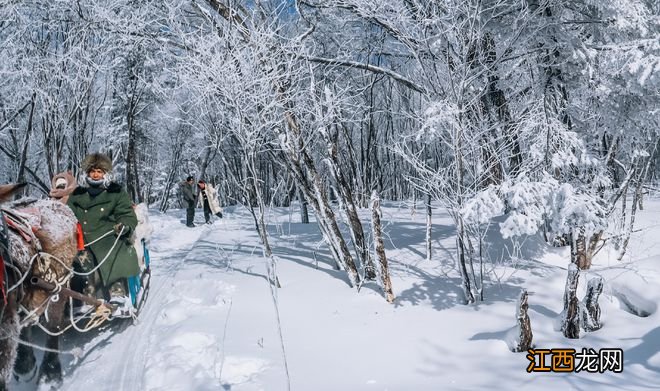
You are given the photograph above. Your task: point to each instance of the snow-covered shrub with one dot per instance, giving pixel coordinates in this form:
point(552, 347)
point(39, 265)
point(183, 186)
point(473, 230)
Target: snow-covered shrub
point(572, 209)
point(484, 206)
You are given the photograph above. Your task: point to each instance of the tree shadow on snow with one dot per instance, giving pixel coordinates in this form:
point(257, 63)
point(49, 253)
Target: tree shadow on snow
point(642, 353)
point(444, 292)
point(493, 335)
point(302, 244)
point(209, 254)
point(411, 237)
point(543, 310)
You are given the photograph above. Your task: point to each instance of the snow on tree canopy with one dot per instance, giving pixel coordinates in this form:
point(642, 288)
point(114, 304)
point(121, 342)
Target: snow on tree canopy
point(439, 115)
point(572, 209)
point(519, 224)
point(483, 207)
point(529, 202)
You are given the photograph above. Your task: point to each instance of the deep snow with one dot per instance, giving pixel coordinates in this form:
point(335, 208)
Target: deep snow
point(211, 321)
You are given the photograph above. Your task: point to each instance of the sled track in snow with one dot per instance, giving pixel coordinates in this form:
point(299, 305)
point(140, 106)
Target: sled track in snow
point(132, 342)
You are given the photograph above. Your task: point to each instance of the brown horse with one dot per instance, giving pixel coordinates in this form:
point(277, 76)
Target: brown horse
point(46, 249)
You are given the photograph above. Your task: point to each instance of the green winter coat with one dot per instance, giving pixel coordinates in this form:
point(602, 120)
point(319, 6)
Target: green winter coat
point(98, 215)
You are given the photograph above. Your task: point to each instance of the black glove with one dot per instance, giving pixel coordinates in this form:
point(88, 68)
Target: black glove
point(83, 262)
point(119, 227)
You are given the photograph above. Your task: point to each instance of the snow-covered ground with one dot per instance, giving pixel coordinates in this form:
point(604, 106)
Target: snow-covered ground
point(213, 322)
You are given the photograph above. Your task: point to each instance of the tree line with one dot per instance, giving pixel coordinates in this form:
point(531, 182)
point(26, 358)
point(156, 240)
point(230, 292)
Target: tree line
point(543, 113)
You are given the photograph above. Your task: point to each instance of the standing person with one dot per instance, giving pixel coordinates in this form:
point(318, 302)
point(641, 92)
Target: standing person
point(208, 198)
point(189, 197)
point(106, 216)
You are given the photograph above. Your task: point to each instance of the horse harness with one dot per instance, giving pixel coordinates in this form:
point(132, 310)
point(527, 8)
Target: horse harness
point(10, 272)
point(17, 223)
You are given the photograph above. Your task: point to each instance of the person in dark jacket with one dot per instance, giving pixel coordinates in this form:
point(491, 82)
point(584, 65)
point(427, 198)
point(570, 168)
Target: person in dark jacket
point(189, 198)
point(106, 215)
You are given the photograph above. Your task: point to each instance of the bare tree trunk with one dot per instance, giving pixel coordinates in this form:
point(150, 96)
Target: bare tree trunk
point(177, 151)
point(253, 191)
point(582, 260)
point(20, 176)
point(296, 158)
point(461, 234)
point(346, 196)
point(210, 153)
point(637, 197)
point(499, 103)
point(429, 211)
point(524, 334)
point(592, 248)
point(379, 247)
point(304, 214)
point(132, 177)
point(590, 309)
point(252, 187)
point(570, 316)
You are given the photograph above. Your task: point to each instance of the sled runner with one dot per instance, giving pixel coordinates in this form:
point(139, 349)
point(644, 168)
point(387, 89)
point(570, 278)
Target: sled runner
point(138, 285)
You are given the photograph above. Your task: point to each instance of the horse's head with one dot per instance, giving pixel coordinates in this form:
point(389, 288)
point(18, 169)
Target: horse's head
point(8, 270)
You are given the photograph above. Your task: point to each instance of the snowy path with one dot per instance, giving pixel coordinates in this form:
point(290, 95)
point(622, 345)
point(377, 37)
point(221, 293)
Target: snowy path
point(209, 322)
point(119, 359)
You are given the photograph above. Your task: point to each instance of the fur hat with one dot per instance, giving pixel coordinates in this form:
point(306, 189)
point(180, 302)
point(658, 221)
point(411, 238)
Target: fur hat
point(96, 160)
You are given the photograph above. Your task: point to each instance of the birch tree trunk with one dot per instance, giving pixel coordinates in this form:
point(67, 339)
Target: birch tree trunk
point(304, 213)
point(132, 175)
point(461, 234)
point(429, 211)
point(301, 165)
point(379, 247)
point(20, 175)
point(346, 195)
point(636, 202)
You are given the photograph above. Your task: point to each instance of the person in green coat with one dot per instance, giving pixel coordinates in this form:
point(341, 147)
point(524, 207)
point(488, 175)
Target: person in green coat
point(106, 215)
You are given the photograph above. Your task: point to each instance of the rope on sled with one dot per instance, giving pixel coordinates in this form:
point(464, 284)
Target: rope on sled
point(104, 235)
point(76, 352)
point(69, 269)
point(106, 255)
point(101, 314)
point(24, 276)
point(73, 272)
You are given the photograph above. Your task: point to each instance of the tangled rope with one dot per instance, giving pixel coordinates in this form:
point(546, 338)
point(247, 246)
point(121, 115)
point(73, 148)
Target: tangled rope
point(97, 315)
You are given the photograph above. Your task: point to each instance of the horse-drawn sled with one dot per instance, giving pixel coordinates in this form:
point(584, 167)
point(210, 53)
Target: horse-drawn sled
point(49, 279)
